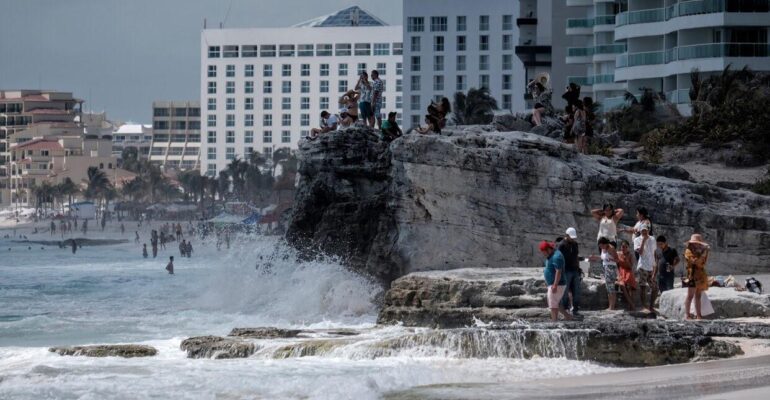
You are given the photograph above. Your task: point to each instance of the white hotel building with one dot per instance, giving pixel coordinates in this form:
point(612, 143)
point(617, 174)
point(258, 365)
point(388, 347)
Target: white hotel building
point(264, 88)
point(661, 41)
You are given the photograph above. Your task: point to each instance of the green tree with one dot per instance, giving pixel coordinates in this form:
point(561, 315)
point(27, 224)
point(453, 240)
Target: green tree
point(130, 159)
point(474, 108)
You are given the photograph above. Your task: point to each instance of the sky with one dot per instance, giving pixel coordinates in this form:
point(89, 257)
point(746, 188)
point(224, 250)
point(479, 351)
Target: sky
point(120, 55)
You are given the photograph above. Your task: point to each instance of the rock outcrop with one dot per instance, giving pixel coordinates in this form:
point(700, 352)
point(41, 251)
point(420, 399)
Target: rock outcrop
point(727, 303)
point(106, 350)
point(217, 347)
point(475, 197)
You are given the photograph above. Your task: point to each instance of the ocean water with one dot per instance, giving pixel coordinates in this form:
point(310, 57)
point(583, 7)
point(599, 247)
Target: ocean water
point(110, 294)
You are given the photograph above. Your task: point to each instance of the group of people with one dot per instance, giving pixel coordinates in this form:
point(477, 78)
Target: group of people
point(650, 265)
point(578, 119)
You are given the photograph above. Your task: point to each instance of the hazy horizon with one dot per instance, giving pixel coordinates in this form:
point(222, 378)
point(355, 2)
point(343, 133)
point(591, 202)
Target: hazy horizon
point(120, 56)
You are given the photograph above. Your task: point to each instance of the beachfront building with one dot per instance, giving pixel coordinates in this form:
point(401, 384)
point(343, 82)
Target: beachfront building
point(129, 135)
point(264, 88)
point(664, 40)
point(176, 135)
point(21, 108)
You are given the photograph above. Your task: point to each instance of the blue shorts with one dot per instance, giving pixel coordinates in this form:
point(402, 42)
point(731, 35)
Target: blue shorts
point(365, 110)
point(378, 109)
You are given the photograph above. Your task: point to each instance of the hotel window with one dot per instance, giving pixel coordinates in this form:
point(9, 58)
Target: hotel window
point(285, 136)
point(249, 51)
point(415, 24)
point(305, 50)
point(304, 70)
point(362, 68)
point(267, 87)
point(212, 153)
point(230, 120)
point(415, 46)
point(484, 81)
point(305, 87)
point(323, 50)
point(267, 120)
point(461, 43)
point(286, 70)
point(382, 49)
point(248, 103)
point(484, 42)
point(285, 119)
point(248, 136)
point(212, 88)
point(415, 63)
point(323, 103)
point(286, 103)
point(460, 83)
point(342, 86)
point(213, 51)
point(507, 22)
point(304, 103)
point(342, 70)
point(267, 103)
point(304, 119)
point(267, 50)
point(507, 102)
point(248, 120)
point(211, 137)
point(438, 24)
point(286, 50)
point(267, 71)
point(415, 84)
point(484, 22)
point(230, 52)
point(230, 71)
point(267, 137)
point(438, 43)
point(399, 85)
point(230, 103)
point(212, 71)
point(507, 61)
point(323, 87)
point(398, 48)
point(212, 105)
point(286, 87)
point(399, 102)
point(249, 71)
point(363, 49)
point(461, 23)
point(507, 42)
point(438, 83)
point(438, 63)
point(247, 151)
point(342, 49)
point(230, 137)
point(415, 120)
point(507, 85)
point(460, 63)
point(483, 62)
point(415, 102)
point(248, 87)
point(230, 153)
point(267, 151)
point(324, 70)
point(230, 87)
point(399, 68)
point(212, 121)
point(211, 170)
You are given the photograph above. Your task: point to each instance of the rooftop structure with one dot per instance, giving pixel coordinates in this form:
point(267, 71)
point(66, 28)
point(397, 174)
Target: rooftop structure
point(351, 16)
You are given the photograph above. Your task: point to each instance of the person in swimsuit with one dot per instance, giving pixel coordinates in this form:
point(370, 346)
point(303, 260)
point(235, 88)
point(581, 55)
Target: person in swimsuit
point(608, 217)
point(349, 109)
point(626, 277)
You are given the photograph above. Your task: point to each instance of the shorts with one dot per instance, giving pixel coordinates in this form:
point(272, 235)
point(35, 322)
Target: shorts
point(378, 110)
point(365, 109)
point(539, 105)
point(645, 278)
point(610, 276)
point(554, 298)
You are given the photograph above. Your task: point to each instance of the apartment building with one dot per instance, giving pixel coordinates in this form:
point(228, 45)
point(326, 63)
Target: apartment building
point(264, 88)
point(176, 135)
point(137, 136)
point(451, 46)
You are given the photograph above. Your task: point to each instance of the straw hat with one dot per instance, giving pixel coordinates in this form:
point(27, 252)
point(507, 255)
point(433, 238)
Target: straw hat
point(697, 239)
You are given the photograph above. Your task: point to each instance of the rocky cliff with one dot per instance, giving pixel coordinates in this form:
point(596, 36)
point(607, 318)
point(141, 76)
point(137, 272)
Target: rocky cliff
point(478, 197)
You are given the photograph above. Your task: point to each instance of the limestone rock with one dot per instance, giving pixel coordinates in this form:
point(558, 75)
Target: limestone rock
point(217, 347)
point(507, 122)
point(106, 350)
point(264, 333)
point(727, 303)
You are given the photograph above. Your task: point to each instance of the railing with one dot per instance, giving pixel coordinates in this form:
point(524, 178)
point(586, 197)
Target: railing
point(580, 23)
point(640, 17)
point(580, 80)
point(634, 59)
point(685, 8)
point(604, 20)
point(605, 78)
point(706, 50)
point(609, 49)
point(694, 7)
point(678, 96)
point(580, 51)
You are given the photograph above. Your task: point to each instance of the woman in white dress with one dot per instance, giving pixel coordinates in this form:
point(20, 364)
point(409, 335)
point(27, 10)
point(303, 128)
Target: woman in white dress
point(608, 217)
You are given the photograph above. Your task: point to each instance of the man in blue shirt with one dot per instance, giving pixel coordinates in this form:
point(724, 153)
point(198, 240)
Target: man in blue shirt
point(554, 279)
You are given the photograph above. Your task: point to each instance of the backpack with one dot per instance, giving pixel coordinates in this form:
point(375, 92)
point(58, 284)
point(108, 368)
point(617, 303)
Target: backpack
point(753, 285)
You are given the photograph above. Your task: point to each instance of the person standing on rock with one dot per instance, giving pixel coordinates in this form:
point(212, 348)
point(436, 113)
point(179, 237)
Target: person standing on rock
point(626, 277)
point(554, 279)
point(364, 87)
point(572, 274)
point(609, 257)
point(644, 245)
point(608, 217)
point(666, 258)
point(170, 265)
point(378, 88)
point(696, 255)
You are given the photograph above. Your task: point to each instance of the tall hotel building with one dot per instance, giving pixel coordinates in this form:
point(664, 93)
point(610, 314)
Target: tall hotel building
point(176, 135)
point(264, 88)
point(635, 44)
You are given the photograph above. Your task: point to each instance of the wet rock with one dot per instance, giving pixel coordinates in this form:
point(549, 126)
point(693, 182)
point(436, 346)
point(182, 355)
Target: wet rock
point(507, 122)
point(264, 333)
point(217, 347)
point(727, 303)
point(106, 350)
point(668, 171)
point(308, 348)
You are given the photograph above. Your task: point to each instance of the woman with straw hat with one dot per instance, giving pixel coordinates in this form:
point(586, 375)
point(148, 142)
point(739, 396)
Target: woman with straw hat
point(696, 255)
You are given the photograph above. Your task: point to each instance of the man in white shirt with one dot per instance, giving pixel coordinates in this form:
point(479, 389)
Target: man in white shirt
point(328, 123)
point(645, 246)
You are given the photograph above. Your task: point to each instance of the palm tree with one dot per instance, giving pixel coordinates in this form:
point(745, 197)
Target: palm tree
point(236, 169)
point(130, 159)
point(279, 155)
point(223, 184)
point(68, 188)
point(474, 108)
point(99, 187)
